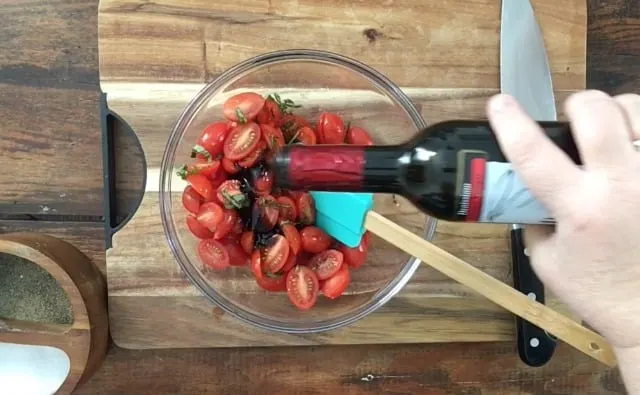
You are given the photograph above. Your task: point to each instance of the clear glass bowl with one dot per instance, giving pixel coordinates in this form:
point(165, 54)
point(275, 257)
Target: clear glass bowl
point(319, 81)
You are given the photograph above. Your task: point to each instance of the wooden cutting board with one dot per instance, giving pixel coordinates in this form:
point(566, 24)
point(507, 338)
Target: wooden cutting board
point(155, 56)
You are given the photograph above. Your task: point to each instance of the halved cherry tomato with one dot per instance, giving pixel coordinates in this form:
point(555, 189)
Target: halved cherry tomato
point(246, 241)
point(198, 229)
point(230, 166)
point(229, 220)
point(358, 136)
point(275, 254)
point(204, 167)
point(264, 183)
point(271, 282)
point(354, 257)
point(292, 235)
point(302, 287)
point(202, 185)
point(314, 239)
point(336, 284)
point(218, 178)
point(210, 215)
point(326, 263)
point(290, 123)
point(270, 113)
point(213, 254)
point(230, 194)
point(237, 229)
point(307, 136)
point(272, 137)
point(330, 129)
point(243, 107)
point(237, 256)
point(242, 141)
point(191, 200)
point(212, 138)
point(291, 262)
point(287, 208)
point(265, 210)
point(254, 156)
point(306, 209)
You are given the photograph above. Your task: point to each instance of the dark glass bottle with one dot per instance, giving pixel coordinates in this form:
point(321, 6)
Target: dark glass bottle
point(453, 170)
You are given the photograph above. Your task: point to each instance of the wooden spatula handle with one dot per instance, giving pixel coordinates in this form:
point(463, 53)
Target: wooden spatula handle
point(495, 290)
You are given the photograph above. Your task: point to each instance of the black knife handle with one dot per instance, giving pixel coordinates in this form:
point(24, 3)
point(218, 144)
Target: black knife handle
point(535, 346)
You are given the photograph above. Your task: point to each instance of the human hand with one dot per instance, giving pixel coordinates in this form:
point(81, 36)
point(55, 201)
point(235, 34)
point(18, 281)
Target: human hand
point(591, 260)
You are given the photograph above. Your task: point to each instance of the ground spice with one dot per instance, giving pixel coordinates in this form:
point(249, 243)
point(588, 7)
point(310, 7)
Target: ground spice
point(30, 293)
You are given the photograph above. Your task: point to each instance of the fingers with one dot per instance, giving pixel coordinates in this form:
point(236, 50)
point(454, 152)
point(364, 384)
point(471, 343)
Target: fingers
point(544, 168)
point(630, 104)
point(540, 245)
point(600, 129)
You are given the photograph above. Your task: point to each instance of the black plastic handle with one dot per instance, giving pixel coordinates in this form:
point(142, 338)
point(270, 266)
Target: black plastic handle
point(535, 346)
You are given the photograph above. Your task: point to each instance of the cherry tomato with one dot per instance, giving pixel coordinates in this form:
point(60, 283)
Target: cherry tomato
point(265, 210)
point(198, 229)
point(366, 237)
point(271, 282)
point(302, 287)
point(232, 125)
point(303, 258)
point(202, 185)
point(272, 137)
point(246, 241)
point(330, 129)
point(287, 208)
point(314, 240)
point(336, 284)
point(264, 183)
point(253, 157)
point(241, 141)
point(291, 262)
point(230, 166)
point(229, 220)
point(218, 178)
point(306, 209)
point(243, 107)
point(210, 216)
point(270, 113)
point(290, 123)
point(307, 136)
point(237, 256)
point(358, 136)
point(202, 166)
point(213, 254)
point(292, 235)
point(275, 254)
point(230, 194)
point(326, 263)
point(237, 229)
point(354, 257)
point(212, 138)
point(191, 200)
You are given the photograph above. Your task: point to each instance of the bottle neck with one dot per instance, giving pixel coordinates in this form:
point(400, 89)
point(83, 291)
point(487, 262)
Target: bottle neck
point(339, 168)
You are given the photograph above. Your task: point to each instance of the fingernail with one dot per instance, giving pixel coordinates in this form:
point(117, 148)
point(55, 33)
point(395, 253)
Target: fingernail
point(501, 103)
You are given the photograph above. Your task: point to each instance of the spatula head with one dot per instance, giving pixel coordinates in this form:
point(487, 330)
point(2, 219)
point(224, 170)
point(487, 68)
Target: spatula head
point(341, 214)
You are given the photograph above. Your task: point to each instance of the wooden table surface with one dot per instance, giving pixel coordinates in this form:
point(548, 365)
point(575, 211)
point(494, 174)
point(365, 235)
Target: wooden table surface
point(51, 182)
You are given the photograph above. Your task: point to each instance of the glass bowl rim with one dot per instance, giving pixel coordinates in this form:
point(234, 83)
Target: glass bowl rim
point(384, 294)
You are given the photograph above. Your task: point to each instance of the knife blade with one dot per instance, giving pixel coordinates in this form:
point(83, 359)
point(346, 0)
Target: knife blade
point(525, 75)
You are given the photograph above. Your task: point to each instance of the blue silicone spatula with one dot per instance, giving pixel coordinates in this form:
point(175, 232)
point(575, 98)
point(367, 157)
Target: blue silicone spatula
point(346, 216)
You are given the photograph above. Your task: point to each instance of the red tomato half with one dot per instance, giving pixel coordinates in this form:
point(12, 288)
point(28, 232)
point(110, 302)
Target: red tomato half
point(246, 241)
point(191, 200)
point(265, 209)
point(210, 216)
point(230, 194)
point(230, 166)
point(237, 256)
point(243, 107)
point(302, 287)
point(290, 123)
point(354, 257)
point(264, 183)
point(202, 185)
point(307, 136)
point(218, 178)
point(228, 221)
point(272, 137)
point(314, 239)
point(330, 129)
point(291, 262)
point(336, 284)
point(213, 254)
point(212, 138)
point(270, 113)
point(358, 136)
point(272, 283)
point(326, 263)
point(287, 208)
point(197, 229)
point(253, 157)
point(207, 168)
point(293, 237)
point(275, 254)
point(242, 141)
point(306, 209)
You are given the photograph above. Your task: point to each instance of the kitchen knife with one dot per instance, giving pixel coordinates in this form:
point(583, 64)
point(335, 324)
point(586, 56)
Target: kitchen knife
point(525, 75)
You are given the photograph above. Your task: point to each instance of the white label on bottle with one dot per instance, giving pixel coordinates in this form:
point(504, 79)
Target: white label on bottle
point(506, 199)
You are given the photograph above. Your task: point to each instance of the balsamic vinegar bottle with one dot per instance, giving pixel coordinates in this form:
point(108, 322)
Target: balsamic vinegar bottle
point(453, 170)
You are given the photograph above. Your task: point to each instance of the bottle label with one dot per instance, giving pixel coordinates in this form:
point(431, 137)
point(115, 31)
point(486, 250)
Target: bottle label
point(493, 192)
